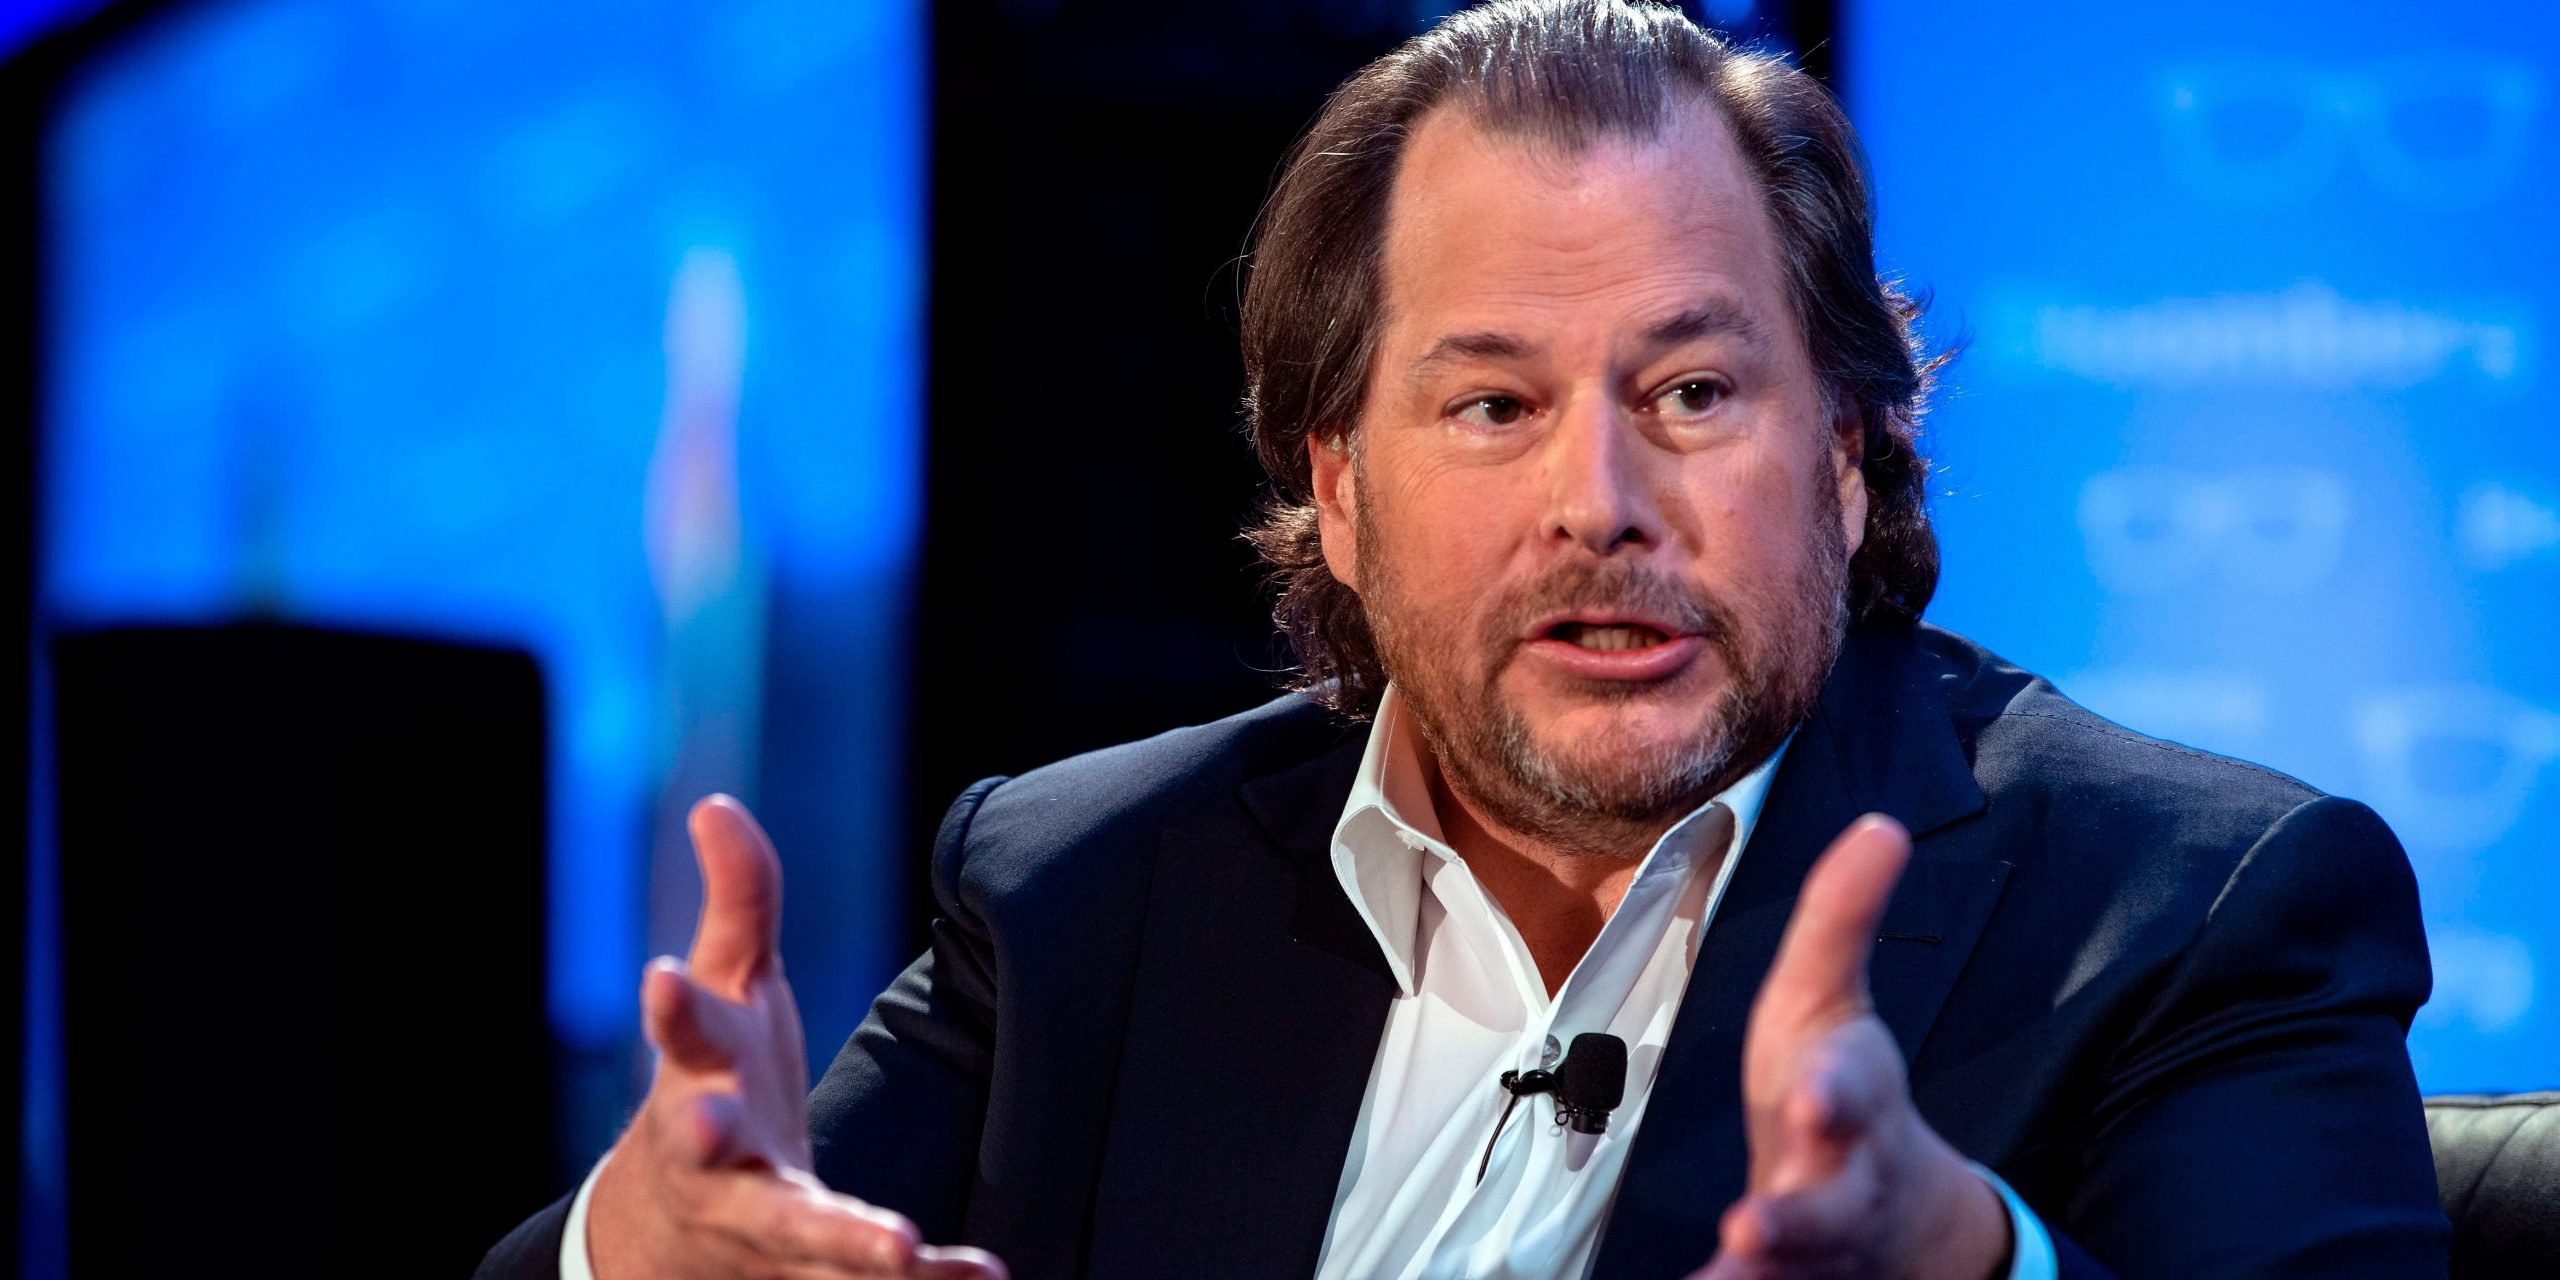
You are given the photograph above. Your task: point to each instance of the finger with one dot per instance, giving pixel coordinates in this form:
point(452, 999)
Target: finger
point(956, 1262)
point(1742, 1235)
point(1836, 1100)
point(790, 1219)
point(1806, 1155)
point(703, 1133)
point(1842, 1091)
point(1822, 960)
point(828, 1271)
point(1742, 1238)
point(1725, 1266)
point(1820, 1223)
point(735, 939)
point(696, 1030)
point(710, 1129)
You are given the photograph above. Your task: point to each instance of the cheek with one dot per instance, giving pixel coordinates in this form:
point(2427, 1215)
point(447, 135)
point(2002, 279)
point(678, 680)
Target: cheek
point(1444, 536)
point(1412, 491)
point(1440, 546)
point(1750, 520)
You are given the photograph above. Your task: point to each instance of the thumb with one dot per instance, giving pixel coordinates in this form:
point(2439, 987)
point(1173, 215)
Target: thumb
point(734, 941)
point(1822, 961)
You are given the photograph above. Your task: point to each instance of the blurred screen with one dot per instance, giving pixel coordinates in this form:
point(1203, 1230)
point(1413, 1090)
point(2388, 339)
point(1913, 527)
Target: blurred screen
point(2249, 448)
point(592, 329)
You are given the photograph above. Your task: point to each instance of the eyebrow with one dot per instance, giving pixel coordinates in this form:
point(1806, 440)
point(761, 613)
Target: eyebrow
point(1457, 348)
point(1712, 318)
point(1717, 317)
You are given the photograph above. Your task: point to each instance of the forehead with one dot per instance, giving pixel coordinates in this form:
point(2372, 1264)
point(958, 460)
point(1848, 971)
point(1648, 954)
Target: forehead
point(1496, 228)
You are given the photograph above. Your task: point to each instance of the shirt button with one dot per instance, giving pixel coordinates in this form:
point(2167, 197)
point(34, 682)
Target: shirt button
point(1548, 1055)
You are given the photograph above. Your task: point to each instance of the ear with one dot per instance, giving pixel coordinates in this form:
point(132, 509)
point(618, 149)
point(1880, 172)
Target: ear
point(1337, 504)
point(1849, 460)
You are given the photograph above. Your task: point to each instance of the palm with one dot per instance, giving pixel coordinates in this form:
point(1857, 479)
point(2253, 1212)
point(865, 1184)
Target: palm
point(713, 1178)
point(1846, 1179)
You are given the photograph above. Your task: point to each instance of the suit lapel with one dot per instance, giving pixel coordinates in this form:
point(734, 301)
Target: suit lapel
point(1879, 740)
point(1256, 1012)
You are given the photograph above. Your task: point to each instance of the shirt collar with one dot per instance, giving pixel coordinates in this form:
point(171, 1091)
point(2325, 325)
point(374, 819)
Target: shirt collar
point(1388, 826)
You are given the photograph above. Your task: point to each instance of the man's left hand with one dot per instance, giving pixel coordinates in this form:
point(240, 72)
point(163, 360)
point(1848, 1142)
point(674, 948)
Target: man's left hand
point(1846, 1179)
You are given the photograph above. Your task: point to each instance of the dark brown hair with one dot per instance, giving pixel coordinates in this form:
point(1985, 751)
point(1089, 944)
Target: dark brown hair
point(1562, 72)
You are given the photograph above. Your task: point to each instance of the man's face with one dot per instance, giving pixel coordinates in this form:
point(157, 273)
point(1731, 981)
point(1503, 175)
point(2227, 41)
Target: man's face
point(1596, 507)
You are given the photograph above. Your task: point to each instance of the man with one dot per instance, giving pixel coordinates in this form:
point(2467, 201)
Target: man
point(1602, 546)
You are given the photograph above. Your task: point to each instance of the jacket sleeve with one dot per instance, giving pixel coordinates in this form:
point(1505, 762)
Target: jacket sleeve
point(896, 1119)
point(531, 1251)
point(2262, 1119)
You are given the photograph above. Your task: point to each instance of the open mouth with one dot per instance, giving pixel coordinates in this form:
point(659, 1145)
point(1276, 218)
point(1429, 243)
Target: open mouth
point(1607, 637)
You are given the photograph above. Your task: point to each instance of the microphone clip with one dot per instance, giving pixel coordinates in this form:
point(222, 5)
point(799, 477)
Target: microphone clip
point(1581, 1110)
point(1588, 1085)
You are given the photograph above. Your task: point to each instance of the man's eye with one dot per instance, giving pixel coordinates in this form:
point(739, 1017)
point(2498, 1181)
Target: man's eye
point(1695, 396)
point(1492, 411)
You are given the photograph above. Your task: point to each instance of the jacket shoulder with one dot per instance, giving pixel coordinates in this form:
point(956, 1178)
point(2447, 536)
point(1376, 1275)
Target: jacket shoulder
point(2031, 746)
point(1106, 804)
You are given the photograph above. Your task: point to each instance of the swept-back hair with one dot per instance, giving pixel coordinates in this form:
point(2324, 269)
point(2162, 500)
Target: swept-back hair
point(1564, 73)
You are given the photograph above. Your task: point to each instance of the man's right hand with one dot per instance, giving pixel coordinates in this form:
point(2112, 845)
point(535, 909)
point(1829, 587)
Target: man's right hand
point(713, 1177)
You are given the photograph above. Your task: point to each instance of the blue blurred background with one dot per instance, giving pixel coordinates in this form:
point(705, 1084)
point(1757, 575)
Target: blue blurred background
point(2248, 450)
point(775, 376)
point(589, 330)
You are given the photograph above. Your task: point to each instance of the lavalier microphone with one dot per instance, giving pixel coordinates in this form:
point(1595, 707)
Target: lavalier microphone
point(1588, 1085)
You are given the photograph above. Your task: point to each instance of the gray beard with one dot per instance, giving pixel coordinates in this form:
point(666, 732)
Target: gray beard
point(1596, 801)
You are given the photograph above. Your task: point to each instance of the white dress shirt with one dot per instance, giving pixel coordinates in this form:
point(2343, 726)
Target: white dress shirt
point(1470, 1005)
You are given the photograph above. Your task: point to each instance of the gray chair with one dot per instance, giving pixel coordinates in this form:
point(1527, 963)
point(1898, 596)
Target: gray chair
point(2498, 1173)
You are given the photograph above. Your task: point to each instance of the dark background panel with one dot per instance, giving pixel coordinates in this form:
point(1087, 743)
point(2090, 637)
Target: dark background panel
point(18, 356)
point(302, 893)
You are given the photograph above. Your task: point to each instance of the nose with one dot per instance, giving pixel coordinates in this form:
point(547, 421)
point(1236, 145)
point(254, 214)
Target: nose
point(1600, 490)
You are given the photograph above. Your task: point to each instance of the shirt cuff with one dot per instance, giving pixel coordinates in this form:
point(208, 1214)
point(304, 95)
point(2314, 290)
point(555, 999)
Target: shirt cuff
point(2031, 1254)
point(573, 1236)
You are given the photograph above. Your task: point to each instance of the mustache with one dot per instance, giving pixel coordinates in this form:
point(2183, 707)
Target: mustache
point(1612, 586)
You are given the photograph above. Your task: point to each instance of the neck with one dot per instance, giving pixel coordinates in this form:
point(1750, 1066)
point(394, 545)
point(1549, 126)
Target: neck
point(1557, 898)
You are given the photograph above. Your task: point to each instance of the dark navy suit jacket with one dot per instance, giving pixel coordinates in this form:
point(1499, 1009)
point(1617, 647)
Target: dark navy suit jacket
point(2162, 993)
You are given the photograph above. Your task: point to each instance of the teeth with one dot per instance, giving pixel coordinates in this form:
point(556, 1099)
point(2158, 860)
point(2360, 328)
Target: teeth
point(1608, 639)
